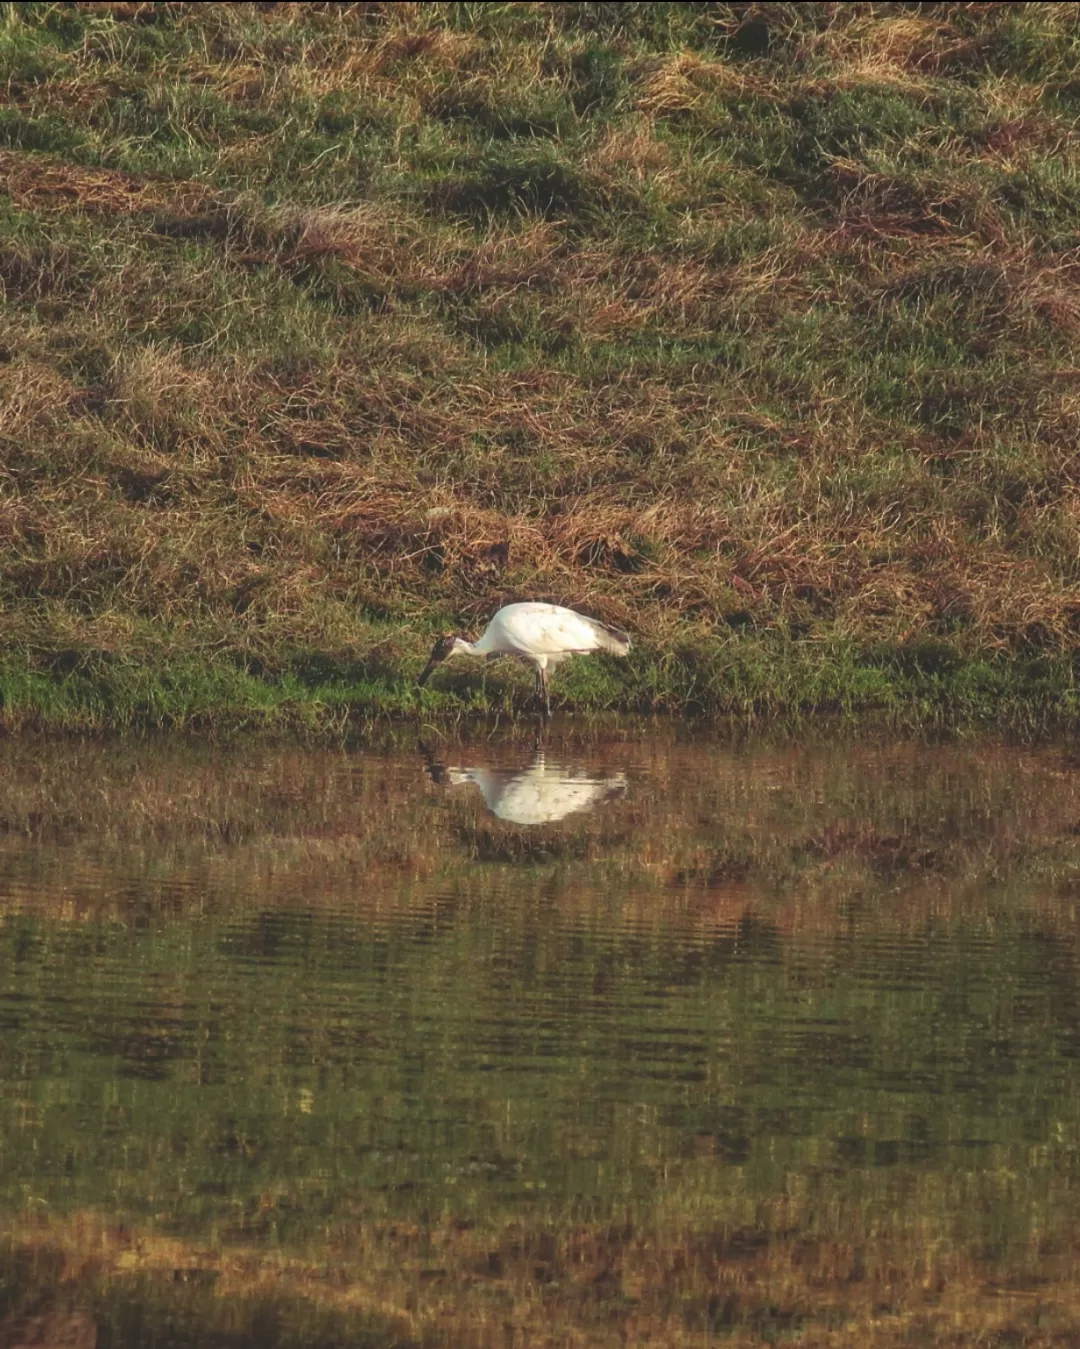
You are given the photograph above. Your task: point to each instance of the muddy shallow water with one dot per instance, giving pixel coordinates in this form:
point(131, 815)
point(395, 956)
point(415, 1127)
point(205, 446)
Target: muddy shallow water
point(638, 1033)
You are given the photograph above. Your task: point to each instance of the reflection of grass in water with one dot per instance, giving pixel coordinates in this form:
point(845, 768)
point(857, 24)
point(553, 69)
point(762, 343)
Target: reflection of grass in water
point(246, 1112)
point(536, 1283)
point(792, 830)
point(740, 885)
point(253, 1078)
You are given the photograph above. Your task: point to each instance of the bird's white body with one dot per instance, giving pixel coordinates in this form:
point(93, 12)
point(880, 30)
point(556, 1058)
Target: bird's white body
point(542, 634)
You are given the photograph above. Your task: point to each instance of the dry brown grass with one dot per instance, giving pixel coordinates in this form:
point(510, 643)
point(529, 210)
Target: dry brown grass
point(52, 185)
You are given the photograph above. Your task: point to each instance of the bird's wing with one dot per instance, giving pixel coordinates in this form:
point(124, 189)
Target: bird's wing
point(547, 630)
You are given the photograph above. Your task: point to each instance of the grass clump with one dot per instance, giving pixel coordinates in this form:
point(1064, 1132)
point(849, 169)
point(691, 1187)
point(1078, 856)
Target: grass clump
point(327, 327)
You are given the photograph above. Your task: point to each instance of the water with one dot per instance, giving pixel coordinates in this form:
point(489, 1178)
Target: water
point(638, 1033)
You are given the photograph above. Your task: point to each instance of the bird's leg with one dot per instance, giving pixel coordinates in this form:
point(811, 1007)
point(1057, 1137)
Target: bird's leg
point(543, 697)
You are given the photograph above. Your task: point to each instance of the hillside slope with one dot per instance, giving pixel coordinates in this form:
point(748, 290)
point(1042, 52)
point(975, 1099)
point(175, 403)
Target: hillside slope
point(750, 329)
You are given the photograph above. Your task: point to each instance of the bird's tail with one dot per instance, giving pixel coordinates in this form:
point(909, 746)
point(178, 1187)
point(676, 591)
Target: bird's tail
point(611, 639)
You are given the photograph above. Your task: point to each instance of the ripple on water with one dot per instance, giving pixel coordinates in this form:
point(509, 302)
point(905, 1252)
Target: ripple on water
point(361, 967)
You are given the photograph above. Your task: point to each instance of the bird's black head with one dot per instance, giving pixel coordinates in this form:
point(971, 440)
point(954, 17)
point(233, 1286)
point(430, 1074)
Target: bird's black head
point(439, 652)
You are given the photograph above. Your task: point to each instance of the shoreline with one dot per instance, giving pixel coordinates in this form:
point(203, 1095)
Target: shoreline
point(759, 684)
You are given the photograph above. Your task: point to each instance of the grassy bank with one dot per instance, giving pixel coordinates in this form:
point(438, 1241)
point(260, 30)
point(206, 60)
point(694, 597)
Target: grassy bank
point(749, 329)
point(748, 681)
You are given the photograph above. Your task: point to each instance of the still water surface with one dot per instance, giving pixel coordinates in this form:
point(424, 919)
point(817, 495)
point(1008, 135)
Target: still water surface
point(641, 1034)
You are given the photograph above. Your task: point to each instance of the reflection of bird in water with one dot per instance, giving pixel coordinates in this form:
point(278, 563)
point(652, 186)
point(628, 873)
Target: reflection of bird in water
point(541, 634)
point(538, 794)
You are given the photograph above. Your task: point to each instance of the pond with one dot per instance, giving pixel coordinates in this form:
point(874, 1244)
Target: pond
point(634, 1033)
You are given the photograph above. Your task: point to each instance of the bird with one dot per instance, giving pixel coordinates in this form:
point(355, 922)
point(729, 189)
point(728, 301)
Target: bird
point(541, 792)
point(540, 634)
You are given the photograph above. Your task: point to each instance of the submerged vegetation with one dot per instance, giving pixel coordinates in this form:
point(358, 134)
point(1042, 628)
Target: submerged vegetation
point(748, 328)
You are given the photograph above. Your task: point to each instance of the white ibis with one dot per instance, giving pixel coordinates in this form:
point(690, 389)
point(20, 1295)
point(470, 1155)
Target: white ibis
point(541, 634)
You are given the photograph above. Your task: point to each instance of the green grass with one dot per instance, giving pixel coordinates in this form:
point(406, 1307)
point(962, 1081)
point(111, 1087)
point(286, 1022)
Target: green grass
point(326, 328)
point(748, 680)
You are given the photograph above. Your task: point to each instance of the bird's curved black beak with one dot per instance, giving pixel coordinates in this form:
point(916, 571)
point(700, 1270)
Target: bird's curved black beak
point(435, 659)
point(443, 647)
